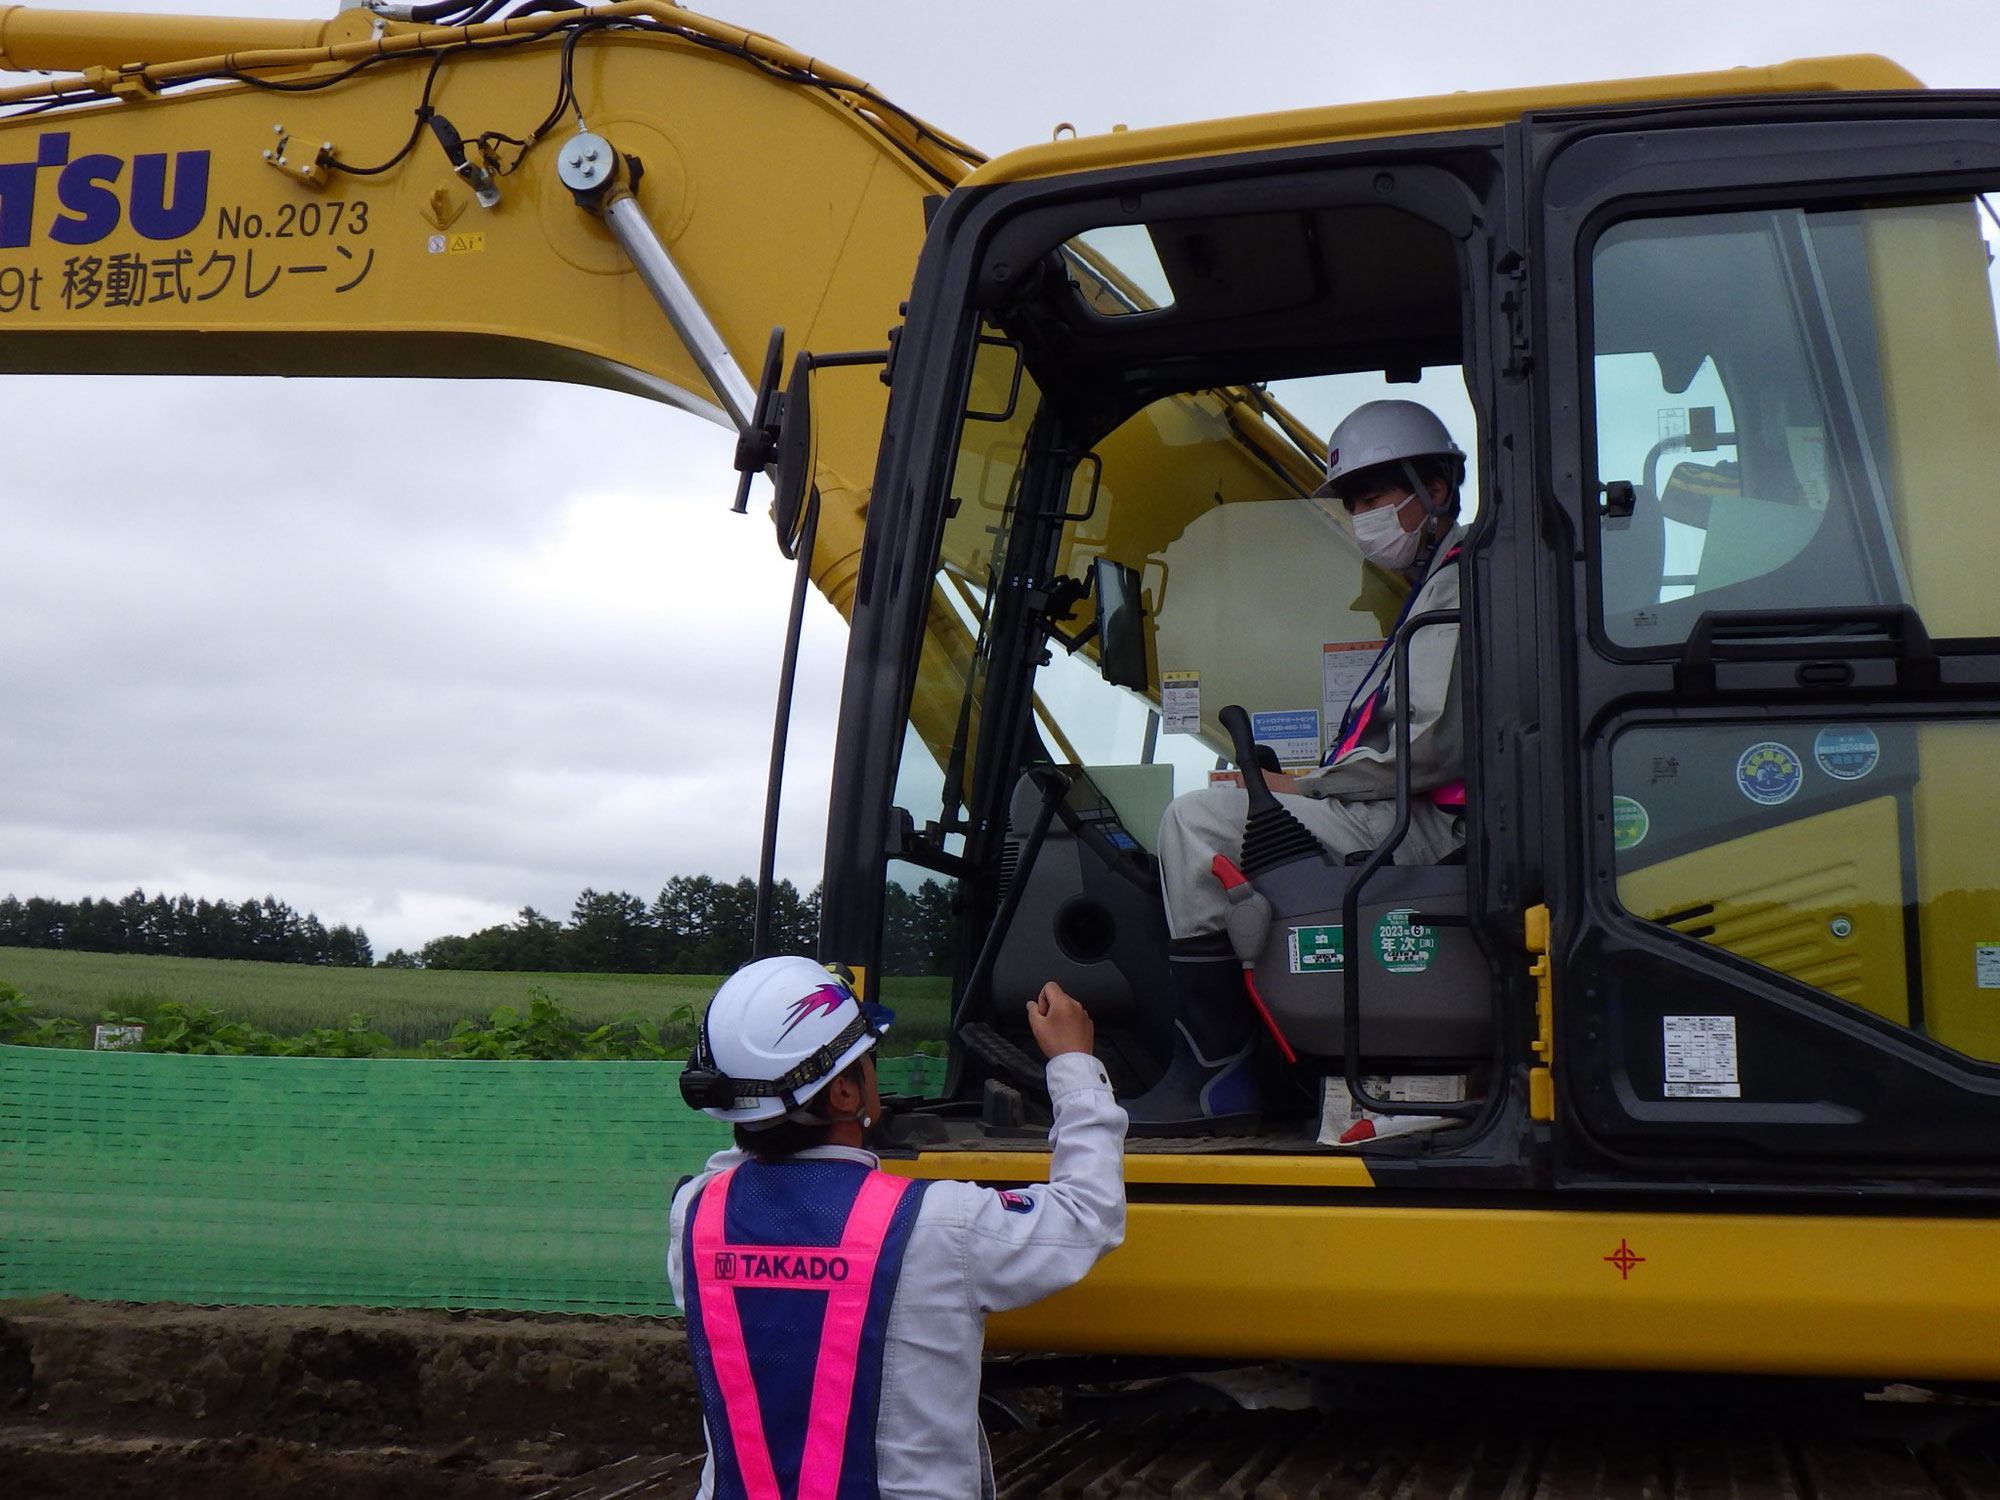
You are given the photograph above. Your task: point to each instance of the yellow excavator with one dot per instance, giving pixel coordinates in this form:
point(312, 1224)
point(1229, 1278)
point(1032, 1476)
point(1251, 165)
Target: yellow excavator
point(1701, 1029)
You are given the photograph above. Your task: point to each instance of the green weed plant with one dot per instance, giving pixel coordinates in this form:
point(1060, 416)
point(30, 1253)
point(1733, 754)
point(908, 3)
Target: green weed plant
point(548, 1032)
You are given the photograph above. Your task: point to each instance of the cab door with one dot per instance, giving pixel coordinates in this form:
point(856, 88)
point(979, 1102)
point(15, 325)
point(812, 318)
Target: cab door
point(1769, 467)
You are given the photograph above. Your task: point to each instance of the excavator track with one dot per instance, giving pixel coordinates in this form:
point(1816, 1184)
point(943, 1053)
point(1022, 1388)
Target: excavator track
point(1912, 1446)
point(248, 1403)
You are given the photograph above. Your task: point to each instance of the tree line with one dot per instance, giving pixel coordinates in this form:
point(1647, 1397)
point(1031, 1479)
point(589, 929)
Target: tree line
point(696, 925)
point(268, 931)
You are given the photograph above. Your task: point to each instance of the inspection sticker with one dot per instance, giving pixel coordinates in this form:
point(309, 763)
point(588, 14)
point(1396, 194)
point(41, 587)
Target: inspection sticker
point(1846, 752)
point(1769, 773)
point(1986, 965)
point(1292, 734)
point(1180, 703)
point(1629, 823)
point(1701, 1057)
point(1317, 950)
point(1402, 946)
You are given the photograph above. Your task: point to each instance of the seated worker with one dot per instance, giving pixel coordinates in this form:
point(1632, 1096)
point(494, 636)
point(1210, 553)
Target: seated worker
point(836, 1314)
point(1395, 469)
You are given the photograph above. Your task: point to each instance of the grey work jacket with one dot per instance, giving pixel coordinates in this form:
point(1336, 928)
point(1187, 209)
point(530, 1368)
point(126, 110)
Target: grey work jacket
point(1367, 773)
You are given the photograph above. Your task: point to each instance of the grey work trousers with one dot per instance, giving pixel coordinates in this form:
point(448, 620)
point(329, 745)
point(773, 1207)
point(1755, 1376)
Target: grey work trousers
point(1199, 825)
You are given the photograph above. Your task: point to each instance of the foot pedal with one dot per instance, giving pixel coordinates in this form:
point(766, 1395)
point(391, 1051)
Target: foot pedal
point(993, 1049)
point(1001, 1106)
point(1005, 1114)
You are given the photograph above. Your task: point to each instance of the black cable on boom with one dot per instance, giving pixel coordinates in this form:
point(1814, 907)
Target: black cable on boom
point(458, 12)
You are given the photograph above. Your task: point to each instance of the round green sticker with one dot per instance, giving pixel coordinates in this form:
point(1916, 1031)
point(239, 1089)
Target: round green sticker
point(1629, 823)
point(1402, 946)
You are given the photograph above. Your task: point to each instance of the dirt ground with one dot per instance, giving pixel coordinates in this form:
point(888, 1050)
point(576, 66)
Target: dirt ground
point(303, 1403)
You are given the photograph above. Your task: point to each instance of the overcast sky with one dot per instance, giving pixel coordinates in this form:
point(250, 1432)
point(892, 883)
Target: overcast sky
point(416, 684)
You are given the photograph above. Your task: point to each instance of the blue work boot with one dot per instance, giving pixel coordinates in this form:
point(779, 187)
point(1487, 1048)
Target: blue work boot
point(1210, 1085)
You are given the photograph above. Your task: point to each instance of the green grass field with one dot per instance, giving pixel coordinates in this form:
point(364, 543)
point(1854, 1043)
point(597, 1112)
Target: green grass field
point(409, 1006)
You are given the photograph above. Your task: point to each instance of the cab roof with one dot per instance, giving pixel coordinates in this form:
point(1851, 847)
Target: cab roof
point(1464, 111)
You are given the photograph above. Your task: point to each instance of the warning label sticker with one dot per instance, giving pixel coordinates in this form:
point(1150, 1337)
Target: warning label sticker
point(1986, 965)
point(1343, 666)
point(1701, 1057)
point(1180, 703)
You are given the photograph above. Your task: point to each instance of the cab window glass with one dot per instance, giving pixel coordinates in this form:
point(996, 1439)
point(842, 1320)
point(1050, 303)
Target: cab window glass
point(1791, 409)
point(1859, 857)
point(1249, 590)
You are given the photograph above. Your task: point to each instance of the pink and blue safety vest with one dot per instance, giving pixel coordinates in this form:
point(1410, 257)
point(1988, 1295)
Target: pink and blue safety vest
point(790, 1269)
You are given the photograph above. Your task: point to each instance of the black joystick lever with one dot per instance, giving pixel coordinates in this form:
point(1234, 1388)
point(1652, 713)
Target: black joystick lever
point(1271, 836)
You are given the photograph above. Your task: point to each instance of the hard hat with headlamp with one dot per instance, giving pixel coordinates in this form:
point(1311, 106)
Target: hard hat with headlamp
point(776, 1033)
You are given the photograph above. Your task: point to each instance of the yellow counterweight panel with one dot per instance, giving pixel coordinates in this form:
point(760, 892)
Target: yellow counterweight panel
point(1743, 1292)
point(1958, 874)
point(1940, 363)
point(1776, 894)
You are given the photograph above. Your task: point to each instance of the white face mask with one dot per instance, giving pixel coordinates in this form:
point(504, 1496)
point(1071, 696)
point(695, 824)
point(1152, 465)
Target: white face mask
point(1382, 538)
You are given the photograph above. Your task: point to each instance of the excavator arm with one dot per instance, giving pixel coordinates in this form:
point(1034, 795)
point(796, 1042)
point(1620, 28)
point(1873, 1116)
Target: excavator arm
point(365, 197)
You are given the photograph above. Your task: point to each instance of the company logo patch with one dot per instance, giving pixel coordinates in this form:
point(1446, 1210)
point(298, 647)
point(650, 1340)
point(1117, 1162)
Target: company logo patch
point(1017, 1203)
point(1769, 773)
point(823, 1001)
point(781, 1268)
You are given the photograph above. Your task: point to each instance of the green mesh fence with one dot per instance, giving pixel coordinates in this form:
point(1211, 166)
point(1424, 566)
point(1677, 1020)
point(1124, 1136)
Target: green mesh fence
point(538, 1186)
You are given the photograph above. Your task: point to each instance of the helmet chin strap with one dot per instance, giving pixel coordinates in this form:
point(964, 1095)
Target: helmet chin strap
point(804, 1116)
point(1433, 509)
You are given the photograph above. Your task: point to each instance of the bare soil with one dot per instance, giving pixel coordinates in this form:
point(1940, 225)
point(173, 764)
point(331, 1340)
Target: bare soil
point(287, 1403)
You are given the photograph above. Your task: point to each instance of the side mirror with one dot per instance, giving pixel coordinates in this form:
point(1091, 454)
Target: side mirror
point(794, 478)
point(1121, 625)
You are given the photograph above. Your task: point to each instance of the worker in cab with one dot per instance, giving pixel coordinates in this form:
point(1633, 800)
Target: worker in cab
point(835, 1313)
point(1396, 472)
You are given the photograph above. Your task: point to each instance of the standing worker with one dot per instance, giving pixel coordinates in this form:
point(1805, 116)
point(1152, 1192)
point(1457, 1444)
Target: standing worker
point(1395, 470)
point(836, 1314)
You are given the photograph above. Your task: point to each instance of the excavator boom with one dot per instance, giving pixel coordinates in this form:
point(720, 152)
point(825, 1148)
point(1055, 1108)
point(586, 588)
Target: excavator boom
point(358, 197)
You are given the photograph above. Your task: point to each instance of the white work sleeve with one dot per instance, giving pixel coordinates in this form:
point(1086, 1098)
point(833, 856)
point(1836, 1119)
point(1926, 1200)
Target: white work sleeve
point(722, 1161)
point(1025, 1243)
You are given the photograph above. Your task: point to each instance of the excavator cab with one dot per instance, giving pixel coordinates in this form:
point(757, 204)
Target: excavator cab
point(1726, 369)
point(1147, 400)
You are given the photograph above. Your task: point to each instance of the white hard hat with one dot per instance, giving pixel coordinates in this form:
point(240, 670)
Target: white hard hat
point(1384, 432)
point(777, 1031)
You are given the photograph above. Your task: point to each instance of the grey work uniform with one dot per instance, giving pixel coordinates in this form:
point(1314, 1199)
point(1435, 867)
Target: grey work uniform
point(1349, 805)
